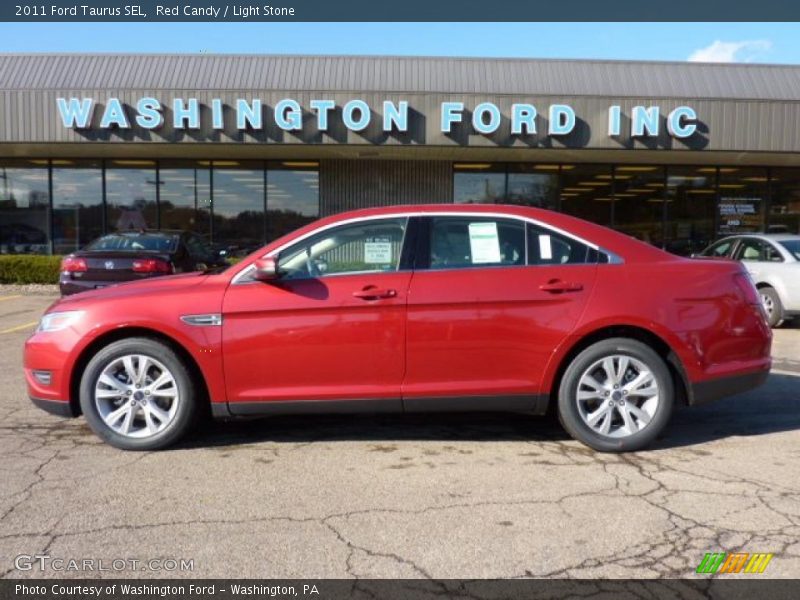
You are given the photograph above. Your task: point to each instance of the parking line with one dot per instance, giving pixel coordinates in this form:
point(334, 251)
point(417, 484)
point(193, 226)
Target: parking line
point(785, 372)
point(19, 327)
point(2, 298)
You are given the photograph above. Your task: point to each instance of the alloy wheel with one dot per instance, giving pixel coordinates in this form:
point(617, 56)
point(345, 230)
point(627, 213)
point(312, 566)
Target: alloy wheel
point(136, 396)
point(769, 305)
point(617, 396)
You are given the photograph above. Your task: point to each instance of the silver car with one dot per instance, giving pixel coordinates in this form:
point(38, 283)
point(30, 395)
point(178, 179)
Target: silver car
point(773, 261)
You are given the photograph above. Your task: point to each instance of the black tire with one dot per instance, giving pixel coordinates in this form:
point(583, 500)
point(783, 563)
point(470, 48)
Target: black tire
point(185, 412)
point(569, 412)
point(773, 306)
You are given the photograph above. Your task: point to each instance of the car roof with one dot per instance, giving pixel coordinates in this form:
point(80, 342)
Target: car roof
point(139, 232)
point(775, 237)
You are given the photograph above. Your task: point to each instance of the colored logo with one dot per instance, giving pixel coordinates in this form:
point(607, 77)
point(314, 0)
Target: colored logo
point(734, 562)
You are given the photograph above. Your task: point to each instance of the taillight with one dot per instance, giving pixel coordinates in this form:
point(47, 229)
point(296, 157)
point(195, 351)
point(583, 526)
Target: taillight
point(747, 287)
point(73, 264)
point(151, 265)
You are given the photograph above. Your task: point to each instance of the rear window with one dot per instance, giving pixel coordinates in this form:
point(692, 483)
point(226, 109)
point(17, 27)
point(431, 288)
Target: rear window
point(793, 246)
point(135, 243)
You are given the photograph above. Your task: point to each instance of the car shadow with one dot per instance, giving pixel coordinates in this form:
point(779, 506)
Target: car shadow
point(774, 407)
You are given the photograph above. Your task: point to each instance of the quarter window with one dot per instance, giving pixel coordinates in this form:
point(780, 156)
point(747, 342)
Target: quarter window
point(546, 247)
point(366, 247)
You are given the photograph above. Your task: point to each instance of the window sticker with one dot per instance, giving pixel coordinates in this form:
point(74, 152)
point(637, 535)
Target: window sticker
point(378, 251)
point(545, 247)
point(484, 243)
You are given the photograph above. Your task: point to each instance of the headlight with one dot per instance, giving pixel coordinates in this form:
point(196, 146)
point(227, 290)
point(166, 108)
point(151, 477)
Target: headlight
point(56, 321)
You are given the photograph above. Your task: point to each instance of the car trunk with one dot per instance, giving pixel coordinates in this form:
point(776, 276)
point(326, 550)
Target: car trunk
point(107, 268)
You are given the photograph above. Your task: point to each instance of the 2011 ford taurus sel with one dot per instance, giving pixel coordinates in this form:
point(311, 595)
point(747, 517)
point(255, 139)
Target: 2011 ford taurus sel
point(411, 309)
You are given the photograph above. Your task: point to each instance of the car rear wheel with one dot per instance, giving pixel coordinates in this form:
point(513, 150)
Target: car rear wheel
point(617, 395)
point(772, 305)
point(137, 394)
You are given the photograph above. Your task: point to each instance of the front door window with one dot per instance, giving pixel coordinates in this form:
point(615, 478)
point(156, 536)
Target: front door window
point(366, 247)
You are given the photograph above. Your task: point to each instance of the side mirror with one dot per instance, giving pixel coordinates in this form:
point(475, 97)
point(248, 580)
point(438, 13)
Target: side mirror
point(266, 269)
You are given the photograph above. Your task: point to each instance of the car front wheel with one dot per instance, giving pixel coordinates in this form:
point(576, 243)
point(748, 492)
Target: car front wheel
point(617, 395)
point(137, 394)
point(772, 306)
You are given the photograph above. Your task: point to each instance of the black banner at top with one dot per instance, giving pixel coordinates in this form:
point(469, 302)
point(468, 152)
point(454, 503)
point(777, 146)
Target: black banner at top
point(244, 11)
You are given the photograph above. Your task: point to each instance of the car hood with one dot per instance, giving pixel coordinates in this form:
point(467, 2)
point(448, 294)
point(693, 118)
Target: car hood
point(145, 288)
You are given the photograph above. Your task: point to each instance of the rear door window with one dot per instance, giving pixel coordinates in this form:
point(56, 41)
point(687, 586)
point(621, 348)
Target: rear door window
point(464, 241)
point(772, 254)
point(460, 242)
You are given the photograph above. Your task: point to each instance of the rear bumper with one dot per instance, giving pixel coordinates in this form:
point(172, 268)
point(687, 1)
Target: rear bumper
point(68, 286)
point(703, 392)
point(60, 408)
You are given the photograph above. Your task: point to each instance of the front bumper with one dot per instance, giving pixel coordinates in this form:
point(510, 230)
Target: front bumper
point(703, 392)
point(60, 408)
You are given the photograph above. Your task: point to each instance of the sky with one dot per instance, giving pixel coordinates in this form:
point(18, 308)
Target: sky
point(715, 42)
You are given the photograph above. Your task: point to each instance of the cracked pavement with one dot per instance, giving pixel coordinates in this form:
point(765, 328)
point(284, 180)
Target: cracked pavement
point(415, 496)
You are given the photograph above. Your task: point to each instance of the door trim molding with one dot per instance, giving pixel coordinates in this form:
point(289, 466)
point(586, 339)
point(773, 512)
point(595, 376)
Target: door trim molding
point(535, 403)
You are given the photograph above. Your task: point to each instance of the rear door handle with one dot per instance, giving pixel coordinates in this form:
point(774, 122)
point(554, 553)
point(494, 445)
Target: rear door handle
point(556, 286)
point(373, 293)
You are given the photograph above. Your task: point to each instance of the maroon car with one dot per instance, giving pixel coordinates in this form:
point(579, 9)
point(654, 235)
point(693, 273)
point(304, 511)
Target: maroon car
point(130, 256)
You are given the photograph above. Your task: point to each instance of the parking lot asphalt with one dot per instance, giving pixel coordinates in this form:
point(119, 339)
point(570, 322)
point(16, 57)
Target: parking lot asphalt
point(442, 496)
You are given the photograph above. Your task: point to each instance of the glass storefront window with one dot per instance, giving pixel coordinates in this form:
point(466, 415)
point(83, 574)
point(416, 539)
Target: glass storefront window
point(238, 195)
point(479, 183)
point(639, 202)
point(680, 208)
point(77, 204)
point(24, 203)
point(131, 195)
point(292, 196)
point(586, 192)
point(784, 215)
point(533, 185)
point(691, 209)
point(185, 196)
point(743, 194)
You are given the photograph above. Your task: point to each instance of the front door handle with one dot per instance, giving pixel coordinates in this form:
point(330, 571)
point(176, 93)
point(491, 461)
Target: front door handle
point(556, 286)
point(371, 292)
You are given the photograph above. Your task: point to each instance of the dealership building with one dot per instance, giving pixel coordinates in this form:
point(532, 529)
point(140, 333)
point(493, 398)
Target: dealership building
point(245, 148)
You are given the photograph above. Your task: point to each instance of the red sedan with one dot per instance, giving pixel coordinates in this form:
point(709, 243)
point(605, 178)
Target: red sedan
point(411, 309)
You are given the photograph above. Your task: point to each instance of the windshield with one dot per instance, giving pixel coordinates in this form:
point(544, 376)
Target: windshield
point(793, 246)
point(141, 242)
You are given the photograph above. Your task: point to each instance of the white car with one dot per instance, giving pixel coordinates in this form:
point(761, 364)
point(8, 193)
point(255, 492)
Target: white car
point(773, 261)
